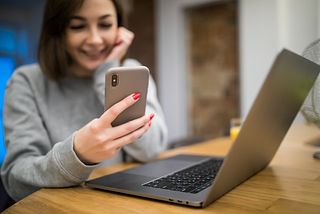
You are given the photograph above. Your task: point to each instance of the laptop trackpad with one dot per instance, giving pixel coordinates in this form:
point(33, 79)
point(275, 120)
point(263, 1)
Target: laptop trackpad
point(159, 168)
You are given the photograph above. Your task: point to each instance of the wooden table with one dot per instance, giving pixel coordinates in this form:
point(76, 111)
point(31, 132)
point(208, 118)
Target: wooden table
point(290, 184)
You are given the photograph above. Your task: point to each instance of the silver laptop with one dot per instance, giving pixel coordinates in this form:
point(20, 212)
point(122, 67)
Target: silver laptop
point(197, 181)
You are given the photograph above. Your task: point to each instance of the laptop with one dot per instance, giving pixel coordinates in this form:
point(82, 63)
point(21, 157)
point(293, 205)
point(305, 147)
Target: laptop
point(197, 181)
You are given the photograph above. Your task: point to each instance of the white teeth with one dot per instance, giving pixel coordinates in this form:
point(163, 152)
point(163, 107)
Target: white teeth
point(92, 53)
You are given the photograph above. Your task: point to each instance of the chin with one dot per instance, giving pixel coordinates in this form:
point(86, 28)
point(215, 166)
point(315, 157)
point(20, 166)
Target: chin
point(93, 66)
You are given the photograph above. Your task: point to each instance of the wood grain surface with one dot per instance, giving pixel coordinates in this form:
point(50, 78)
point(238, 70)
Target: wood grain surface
point(290, 184)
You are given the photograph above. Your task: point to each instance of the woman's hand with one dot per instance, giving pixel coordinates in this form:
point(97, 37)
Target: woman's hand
point(121, 45)
point(98, 140)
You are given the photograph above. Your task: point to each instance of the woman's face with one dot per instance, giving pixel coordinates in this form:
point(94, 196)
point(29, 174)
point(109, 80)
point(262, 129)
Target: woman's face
point(90, 35)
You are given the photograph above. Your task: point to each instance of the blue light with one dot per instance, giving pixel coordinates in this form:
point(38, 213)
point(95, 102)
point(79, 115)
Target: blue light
point(7, 66)
point(7, 41)
point(2, 146)
point(22, 44)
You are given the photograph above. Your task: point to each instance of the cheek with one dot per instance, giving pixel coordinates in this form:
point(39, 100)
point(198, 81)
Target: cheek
point(73, 41)
point(111, 36)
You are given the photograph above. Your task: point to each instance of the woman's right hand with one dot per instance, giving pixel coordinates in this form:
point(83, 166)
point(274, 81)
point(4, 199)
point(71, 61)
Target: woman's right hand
point(121, 44)
point(98, 140)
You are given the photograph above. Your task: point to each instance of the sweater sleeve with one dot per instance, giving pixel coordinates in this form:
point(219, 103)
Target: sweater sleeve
point(155, 140)
point(309, 108)
point(32, 161)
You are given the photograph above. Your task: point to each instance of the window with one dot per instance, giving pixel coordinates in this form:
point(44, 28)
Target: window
point(8, 53)
point(7, 65)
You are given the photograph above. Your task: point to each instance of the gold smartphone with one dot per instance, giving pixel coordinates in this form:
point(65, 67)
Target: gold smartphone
point(121, 82)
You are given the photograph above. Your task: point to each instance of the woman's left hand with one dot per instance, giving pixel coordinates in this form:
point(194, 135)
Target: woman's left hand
point(121, 45)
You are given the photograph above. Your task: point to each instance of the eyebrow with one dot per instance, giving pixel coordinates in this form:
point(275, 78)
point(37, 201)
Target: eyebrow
point(84, 19)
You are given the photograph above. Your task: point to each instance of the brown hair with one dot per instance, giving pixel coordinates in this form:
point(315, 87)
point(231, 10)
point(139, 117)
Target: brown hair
point(52, 53)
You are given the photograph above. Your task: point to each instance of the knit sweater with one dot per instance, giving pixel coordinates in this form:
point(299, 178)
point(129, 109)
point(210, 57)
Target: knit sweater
point(41, 117)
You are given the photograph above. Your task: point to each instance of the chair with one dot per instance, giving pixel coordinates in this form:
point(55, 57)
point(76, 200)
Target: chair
point(6, 201)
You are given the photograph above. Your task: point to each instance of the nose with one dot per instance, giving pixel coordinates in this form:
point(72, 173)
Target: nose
point(94, 37)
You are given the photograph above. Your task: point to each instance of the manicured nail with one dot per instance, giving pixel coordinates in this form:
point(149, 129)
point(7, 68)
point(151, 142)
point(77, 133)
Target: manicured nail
point(149, 123)
point(151, 116)
point(136, 96)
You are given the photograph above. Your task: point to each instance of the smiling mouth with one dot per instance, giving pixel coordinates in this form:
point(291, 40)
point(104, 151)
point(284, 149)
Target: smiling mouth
point(93, 53)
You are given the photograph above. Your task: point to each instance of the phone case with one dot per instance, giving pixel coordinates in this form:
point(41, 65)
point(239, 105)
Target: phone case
point(130, 80)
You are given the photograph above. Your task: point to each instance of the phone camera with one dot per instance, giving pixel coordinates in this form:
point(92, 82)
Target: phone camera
point(114, 80)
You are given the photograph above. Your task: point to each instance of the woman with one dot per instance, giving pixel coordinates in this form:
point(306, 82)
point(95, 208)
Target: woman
point(56, 131)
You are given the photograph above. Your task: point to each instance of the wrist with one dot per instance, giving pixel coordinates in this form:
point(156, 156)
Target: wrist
point(77, 150)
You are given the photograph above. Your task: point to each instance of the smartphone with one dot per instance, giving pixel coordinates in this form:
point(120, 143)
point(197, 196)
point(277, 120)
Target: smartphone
point(120, 82)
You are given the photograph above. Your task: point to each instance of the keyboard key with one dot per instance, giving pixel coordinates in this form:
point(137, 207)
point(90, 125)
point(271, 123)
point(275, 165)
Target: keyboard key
point(193, 179)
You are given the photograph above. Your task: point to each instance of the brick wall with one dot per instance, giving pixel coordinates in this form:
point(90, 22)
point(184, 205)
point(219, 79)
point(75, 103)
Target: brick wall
point(213, 78)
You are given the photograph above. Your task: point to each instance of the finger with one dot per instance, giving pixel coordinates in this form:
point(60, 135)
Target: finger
point(131, 126)
point(118, 40)
point(119, 37)
point(123, 39)
point(130, 137)
point(126, 34)
point(111, 114)
point(128, 37)
point(125, 30)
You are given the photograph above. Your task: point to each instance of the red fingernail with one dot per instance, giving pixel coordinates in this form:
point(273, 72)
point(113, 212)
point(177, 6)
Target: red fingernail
point(151, 116)
point(136, 96)
point(149, 123)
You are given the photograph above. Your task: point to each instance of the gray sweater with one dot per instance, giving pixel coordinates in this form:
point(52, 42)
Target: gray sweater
point(41, 117)
point(310, 108)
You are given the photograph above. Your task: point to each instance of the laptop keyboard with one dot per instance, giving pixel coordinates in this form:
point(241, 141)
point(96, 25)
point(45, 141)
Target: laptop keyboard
point(193, 179)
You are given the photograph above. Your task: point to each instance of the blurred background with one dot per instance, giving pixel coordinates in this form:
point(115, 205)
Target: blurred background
point(208, 57)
